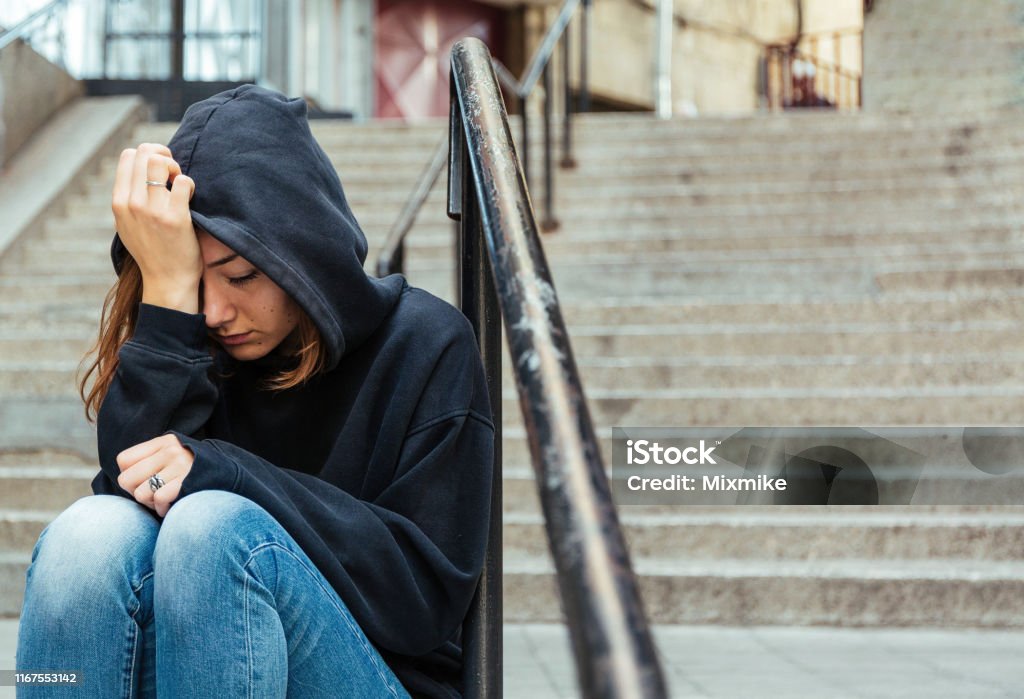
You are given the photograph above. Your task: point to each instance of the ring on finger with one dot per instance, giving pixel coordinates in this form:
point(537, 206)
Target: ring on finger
point(155, 183)
point(156, 482)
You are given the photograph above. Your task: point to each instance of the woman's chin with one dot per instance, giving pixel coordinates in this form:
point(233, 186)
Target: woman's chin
point(245, 352)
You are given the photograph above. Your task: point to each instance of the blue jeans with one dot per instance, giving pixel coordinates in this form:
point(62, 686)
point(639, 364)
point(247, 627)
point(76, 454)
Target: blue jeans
point(217, 600)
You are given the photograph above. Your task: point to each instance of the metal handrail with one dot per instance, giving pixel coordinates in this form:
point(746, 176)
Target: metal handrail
point(542, 56)
point(820, 63)
point(523, 88)
point(505, 276)
point(838, 80)
point(391, 258)
point(392, 255)
point(19, 30)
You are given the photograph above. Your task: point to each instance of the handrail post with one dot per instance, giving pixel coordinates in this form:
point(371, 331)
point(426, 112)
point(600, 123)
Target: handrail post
point(482, 629)
point(549, 223)
point(584, 103)
point(567, 159)
point(399, 258)
point(663, 77)
point(525, 149)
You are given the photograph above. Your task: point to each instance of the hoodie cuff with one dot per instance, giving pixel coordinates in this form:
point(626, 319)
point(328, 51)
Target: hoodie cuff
point(211, 469)
point(168, 330)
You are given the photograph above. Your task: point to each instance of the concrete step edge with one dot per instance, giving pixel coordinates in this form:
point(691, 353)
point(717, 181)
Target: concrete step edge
point(945, 570)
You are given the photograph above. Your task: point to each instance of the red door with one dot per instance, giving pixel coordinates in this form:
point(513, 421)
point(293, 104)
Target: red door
point(414, 40)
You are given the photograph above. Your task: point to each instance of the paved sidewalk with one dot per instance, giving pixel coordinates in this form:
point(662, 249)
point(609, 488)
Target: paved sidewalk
point(776, 662)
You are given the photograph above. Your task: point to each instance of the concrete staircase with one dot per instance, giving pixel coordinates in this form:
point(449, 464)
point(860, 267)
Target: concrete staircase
point(943, 55)
point(789, 270)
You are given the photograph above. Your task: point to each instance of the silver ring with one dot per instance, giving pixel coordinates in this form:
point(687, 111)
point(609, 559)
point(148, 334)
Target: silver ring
point(156, 483)
point(153, 183)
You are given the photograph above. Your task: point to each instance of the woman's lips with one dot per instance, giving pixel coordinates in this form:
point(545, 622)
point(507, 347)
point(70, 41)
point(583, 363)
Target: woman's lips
point(233, 339)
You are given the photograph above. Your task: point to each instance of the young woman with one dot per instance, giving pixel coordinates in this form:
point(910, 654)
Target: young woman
point(295, 457)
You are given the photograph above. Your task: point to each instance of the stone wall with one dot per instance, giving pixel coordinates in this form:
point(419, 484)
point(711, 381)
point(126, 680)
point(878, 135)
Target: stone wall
point(31, 90)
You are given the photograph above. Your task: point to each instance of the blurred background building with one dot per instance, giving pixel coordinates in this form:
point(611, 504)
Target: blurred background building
point(388, 58)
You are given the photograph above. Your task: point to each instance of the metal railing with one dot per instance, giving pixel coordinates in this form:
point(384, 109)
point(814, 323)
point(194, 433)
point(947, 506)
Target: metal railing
point(391, 259)
point(795, 77)
point(37, 22)
point(539, 70)
point(504, 276)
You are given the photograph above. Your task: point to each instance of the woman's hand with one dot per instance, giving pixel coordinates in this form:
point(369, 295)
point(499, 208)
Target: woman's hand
point(155, 226)
point(163, 455)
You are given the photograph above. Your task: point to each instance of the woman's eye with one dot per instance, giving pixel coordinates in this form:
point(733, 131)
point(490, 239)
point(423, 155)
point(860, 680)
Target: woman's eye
point(239, 281)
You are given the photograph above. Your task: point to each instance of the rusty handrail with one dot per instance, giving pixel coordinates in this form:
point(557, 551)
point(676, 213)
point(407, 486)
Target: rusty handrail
point(505, 276)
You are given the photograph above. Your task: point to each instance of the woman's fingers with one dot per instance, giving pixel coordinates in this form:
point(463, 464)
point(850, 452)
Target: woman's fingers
point(149, 167)
point(163, 456)
point(160, 168)
point(182, 189)
point(123, 182)
point(158, 464)
point(130, 164)
point(155, 225)
point(167, 495)
point(132, 455)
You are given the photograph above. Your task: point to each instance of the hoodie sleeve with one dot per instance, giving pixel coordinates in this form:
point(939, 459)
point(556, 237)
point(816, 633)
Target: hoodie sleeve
point(161, 383)
point(406, 563)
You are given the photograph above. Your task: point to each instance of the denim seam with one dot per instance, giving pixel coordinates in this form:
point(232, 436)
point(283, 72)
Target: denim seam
point(135, 643)
point(361, 635)
point(248, 634)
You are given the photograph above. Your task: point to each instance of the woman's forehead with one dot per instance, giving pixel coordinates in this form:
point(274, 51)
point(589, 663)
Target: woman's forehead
point(212, 248)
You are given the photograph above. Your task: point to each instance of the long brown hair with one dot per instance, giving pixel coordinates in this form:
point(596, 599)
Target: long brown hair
point(117, 325)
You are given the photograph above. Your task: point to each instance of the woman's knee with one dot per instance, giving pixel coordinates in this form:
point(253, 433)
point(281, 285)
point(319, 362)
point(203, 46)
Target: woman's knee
point(210, 523)
point(97, 540)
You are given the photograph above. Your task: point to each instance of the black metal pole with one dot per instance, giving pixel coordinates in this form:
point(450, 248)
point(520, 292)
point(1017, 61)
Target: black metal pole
point(549, 222)
point(478, 299)
point(178, 40)
point(177, 83)
point(398, 261)
point(567, 159)
point(584, 55)
point(525, 148)
point(480, 305)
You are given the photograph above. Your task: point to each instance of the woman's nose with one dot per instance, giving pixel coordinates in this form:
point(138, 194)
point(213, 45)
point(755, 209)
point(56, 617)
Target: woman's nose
point(217, 308)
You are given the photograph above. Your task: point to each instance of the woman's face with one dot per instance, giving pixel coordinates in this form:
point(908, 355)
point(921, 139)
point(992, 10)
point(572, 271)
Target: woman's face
point(246, 313)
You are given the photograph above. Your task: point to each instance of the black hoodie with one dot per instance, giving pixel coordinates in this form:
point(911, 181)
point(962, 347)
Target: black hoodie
point(379, 468)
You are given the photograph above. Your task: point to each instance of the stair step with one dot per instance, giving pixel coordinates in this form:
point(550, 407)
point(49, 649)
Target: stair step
point(40, 259)
point(828, 593)
point(649, 373)
point(799, 536)
point(935, 307)
point(808, 339)
point(51, 486)
point(34, 422)
point(567, 246)
point(689, 536)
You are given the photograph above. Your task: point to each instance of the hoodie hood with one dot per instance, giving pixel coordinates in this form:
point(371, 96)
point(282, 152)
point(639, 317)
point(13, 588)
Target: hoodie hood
point(266, 189)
